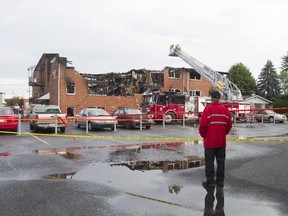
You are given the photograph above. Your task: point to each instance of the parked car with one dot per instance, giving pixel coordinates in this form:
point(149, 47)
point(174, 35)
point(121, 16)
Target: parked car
point(95, 118)
point(44, 116)
point(17, 112)
point(130, 118)
point(8, 119)
point(269, 115)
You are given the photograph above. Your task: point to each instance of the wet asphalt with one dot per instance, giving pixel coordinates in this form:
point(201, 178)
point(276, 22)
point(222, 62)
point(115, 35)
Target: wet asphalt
point(46, 175)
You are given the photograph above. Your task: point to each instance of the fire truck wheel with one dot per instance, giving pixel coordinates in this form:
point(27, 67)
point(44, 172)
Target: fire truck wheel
point(169, 118)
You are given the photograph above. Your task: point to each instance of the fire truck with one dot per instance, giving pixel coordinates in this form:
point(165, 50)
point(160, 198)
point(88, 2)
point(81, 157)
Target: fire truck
point(170, 106)
point(231, 94)
point(240, 110)
point(175, 105)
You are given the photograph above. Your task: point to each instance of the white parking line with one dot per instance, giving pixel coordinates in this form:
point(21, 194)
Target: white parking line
point(43, 141)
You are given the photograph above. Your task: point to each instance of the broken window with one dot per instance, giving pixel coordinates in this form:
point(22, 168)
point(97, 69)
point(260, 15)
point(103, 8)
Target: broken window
point(70, 111)
point(123, 84)
point(70, 88)
point(173, 73)
point(194, 75)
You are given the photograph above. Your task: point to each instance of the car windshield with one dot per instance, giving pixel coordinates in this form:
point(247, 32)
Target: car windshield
point(47, 110)
point(133, 111)
point(5, 111)
point(270, 112)
point(98, 112)
point(16, 111)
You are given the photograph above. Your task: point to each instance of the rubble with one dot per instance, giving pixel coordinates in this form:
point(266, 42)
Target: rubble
point(124, 84)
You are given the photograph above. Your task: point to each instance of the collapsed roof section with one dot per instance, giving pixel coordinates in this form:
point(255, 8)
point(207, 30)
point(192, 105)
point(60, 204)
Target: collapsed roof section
point(124, 84)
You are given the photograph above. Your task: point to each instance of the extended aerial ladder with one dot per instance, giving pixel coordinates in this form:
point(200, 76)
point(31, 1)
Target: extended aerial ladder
point(229, 90)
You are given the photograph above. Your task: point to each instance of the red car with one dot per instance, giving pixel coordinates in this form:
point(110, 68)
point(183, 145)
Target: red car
point(8, 120)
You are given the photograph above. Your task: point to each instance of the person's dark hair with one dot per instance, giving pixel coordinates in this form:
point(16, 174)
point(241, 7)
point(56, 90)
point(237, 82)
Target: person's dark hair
point(215, 95)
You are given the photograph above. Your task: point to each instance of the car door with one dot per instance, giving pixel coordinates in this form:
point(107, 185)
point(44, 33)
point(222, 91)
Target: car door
point(81, 121)
point(121, 117)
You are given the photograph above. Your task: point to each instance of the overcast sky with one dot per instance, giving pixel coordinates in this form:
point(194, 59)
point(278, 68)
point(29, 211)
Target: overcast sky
point(120, 35)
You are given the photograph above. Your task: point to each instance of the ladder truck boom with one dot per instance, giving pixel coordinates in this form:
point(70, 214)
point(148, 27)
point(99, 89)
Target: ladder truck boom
point(228, 88)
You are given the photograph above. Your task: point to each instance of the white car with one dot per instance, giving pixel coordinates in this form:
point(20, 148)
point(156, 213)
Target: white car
point(269, 115)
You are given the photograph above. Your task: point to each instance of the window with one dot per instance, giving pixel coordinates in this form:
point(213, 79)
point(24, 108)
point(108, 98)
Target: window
point(174, 74)
point(70, 111)
point(195, 93)
point(194, 75)
point(175, 90)
point(70, 88)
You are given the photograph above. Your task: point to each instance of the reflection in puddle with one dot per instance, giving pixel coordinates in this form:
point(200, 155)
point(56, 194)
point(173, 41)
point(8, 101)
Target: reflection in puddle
point(148, 185)
point(162, 165)
point(150, 190)
point(66, 152)
point(5, 154)
point(60, 176)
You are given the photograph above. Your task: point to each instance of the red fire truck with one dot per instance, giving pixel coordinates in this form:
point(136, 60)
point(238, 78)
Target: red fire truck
point(167, 105)
point(239, 109)
point(173, 106)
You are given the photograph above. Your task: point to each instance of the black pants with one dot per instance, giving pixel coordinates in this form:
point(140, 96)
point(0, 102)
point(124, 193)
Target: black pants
point(210, 155)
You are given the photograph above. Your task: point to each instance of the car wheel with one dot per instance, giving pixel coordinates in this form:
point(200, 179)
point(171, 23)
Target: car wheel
point(112, 128)
point(129, 126)
point(158, 122)
point(271, 119)
point(90, 127)
point(148, 126)
point(35, 129)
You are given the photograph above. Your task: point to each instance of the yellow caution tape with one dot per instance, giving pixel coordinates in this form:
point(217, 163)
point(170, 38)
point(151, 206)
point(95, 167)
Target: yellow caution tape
point(141, 138)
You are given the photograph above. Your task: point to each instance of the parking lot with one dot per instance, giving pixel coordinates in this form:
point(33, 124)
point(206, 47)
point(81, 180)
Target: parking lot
point(155, 171)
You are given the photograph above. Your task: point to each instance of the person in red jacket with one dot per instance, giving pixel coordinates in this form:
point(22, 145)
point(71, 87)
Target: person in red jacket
point(215, 124)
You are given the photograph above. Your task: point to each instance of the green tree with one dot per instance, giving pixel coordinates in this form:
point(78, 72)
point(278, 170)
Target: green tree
point(268, 84)
point(281, 102)
point(15, 101)
point(243, 78)
point(284, 74)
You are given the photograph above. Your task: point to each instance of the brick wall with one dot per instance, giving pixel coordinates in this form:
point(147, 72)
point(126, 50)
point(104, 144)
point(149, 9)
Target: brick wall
point(185, 84)
point(48, 70)
point(81, 99)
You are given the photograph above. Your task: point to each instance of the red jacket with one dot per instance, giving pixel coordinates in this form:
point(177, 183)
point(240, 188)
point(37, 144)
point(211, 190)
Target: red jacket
point(215, 124)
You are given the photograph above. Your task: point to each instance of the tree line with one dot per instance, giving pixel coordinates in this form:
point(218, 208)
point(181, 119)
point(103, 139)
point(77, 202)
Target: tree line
point(270, 84)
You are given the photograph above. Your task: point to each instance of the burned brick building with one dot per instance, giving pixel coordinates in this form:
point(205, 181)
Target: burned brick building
point(123, 84)
point(55, 81)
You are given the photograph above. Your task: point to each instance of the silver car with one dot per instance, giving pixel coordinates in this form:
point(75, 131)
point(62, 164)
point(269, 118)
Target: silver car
point(95, 118)
point(270, 116)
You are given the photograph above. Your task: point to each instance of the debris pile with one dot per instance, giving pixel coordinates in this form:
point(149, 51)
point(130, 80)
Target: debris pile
point(124, 84)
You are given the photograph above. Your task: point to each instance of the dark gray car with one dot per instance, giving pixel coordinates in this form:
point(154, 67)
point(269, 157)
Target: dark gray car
point(131, 118)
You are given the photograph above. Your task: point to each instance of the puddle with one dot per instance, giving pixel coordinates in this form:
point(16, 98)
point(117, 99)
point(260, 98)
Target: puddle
point(142, 172)
point(67, 153)
point(149, 190)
